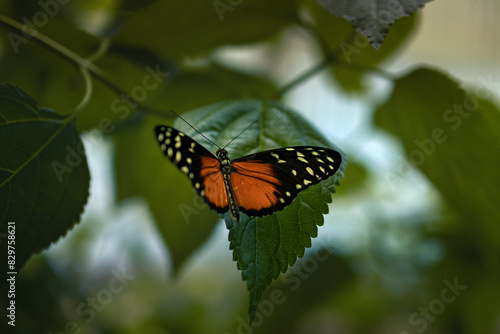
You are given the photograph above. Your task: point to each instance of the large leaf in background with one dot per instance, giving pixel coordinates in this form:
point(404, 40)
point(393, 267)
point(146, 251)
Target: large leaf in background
point(265, 247)
point(452, 138)
point(44, 177)
point(192, 88)
point(372, 18)
point(175, 29)
point(352, 49)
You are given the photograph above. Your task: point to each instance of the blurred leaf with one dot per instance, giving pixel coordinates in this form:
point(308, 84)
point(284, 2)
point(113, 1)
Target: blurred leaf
point(352, 48)
point(372, 18)
point(175, 29)
point(193, 88)
point(350, 71)
point(264, 247)
point(59, 84)
point(183, 219)
point(44, 177)
point(454, 139)
point(315, 279)
point(355, 56)
point(356, 177)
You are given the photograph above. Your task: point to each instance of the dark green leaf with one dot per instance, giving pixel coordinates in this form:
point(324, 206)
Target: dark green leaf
point(175, 29)
point(372, 18)
point(353, 51)
point(265, 247)
point(453, 138)
point(44, 177)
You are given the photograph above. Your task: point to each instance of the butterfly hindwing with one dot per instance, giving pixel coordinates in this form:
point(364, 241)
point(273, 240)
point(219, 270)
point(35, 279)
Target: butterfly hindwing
point(194, 160)
point(269, 181)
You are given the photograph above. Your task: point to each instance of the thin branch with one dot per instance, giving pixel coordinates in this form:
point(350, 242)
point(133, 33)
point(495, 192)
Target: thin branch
point(77, 60)
point(329, 58)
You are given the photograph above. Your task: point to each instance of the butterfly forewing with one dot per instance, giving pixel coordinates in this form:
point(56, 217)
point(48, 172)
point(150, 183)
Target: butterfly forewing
point(201, 166)
point(269, 181)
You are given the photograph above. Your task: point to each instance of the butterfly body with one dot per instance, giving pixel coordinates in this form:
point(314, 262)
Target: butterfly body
point(257, 184)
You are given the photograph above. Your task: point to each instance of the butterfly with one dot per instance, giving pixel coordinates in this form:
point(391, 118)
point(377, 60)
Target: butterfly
point(258, 184)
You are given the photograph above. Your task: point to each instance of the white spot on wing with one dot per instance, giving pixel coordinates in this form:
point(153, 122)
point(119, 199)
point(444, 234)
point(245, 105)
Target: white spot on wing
point(178, 156)
point(303, 160)
point(310, 170)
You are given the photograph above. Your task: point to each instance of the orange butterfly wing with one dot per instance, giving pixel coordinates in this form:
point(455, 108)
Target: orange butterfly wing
point(254, 186)
point(214, 190)
point(268, 181)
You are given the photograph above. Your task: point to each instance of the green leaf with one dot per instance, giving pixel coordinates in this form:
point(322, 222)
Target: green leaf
point(453, 138)
point(265, 247)
point(194, 88)
point(372, 18)
point(355, 56)
point(44, 177)
point(175, 29)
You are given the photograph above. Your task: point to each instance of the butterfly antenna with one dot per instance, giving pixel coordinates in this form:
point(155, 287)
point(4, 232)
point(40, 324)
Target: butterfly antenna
point(245, 129)
point(192, 127)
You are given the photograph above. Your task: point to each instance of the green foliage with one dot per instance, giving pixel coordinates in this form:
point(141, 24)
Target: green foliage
point(452, 137)
point(175, 29)
point(372, 18)
point(44, 175)
point(444, 129)
point(162, 55)
point(355, 57)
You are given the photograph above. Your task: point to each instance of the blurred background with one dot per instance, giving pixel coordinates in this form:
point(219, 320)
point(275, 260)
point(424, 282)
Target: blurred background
point(390, 258)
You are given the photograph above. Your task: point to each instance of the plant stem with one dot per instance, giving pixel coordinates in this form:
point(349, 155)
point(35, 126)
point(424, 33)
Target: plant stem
point(303, 77)
point(76, 59)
